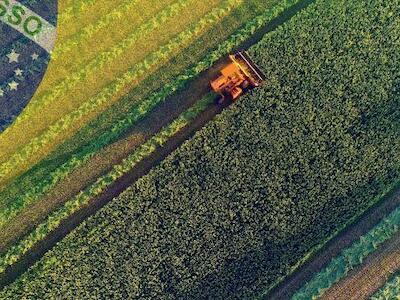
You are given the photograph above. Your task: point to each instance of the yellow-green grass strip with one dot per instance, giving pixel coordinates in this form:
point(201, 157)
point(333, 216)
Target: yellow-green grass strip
point(66, 126)
point(68, 46)
point(350, 257)
point(83, 198)
point(140, 110)
point(390, 290)
point(104, 58)
point(74, 52)
point(79, 13)
point(88, 31)
point(16, 137)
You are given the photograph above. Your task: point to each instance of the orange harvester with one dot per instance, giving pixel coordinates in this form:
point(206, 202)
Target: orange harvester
point(239, 76)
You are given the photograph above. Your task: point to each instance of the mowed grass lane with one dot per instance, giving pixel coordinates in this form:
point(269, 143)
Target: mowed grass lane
point(35, 136)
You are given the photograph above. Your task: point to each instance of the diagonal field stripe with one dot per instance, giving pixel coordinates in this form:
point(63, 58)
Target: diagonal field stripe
point(29, 23)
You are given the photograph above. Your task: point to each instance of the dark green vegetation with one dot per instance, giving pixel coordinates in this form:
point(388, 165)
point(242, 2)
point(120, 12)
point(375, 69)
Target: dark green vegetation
point(237, 207)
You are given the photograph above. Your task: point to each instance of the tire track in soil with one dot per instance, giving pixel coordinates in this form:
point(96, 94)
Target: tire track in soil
point(158, 118)
point(364, 280)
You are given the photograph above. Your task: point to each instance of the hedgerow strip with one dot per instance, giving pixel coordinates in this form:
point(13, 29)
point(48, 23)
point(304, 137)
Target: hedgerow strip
point(390, 290)
point(84, 197)
point(104, 98)
point(140, 110)
point(350, 257)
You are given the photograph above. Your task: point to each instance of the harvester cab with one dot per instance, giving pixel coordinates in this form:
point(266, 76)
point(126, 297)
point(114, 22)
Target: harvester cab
point(237, 77)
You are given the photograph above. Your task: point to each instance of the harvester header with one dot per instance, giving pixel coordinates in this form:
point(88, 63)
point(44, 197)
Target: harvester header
point(237, 77)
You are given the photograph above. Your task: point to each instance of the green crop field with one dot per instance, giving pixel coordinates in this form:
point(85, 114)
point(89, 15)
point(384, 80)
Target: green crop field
point(27, 200)
point(237, 208)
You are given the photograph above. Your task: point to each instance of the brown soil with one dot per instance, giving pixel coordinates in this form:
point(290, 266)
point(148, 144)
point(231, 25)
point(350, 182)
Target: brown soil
point(366, 279)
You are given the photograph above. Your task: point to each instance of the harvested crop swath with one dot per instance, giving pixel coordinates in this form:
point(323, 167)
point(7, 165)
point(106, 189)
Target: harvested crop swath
point(351, 257)
point(391, 290)
point(322, 135)
point(67, 124)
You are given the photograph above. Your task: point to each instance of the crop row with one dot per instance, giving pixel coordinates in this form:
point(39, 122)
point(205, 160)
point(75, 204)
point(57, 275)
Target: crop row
point(69, 12)
point(391, 289)
point(138, 111)
point(69, 122)
point(321, 135)
point(350, 257)
point(88, 31)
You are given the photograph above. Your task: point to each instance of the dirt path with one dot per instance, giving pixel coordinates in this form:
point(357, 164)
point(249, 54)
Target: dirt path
point(333, 248)
point(363, 281)
point(152, 123)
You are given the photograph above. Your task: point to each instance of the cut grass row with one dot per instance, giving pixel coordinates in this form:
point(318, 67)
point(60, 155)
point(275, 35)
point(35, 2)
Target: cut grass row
point(109, 32)
point(137, 113)
point(73, 15)
point(19, 201)
point(390, 291)
point(349, 258)
point(257, 182)
point(70, 94)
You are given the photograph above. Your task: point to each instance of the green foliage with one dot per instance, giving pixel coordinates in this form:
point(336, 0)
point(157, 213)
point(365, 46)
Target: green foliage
point(350, 258)
point(73, 205)
point(236, 208)
point(390, 291)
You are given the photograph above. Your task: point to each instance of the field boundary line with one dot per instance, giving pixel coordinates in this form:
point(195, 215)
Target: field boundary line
point(350, 257)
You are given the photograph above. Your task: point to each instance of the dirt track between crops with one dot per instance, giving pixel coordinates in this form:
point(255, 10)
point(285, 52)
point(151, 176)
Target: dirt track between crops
point(333, 248)
point(147, 127)
point(365, 280)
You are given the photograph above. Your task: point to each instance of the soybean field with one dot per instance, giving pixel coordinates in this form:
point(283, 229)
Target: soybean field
point(240, 206)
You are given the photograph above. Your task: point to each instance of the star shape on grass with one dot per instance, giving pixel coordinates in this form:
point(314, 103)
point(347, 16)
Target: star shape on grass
point(13, 57)
point(13, 85)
